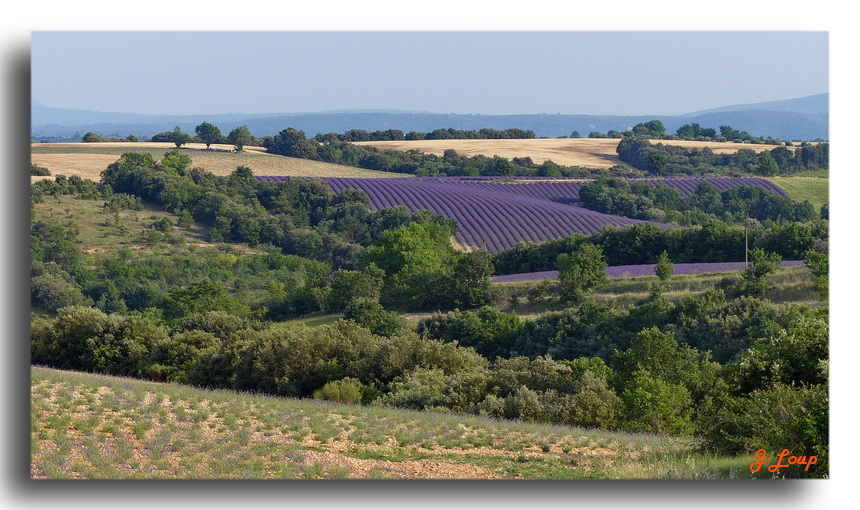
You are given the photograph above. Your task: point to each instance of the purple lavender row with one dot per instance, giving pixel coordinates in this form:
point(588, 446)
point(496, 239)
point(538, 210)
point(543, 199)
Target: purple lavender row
point(496, 215)
point(643, 270)
point(491, 219)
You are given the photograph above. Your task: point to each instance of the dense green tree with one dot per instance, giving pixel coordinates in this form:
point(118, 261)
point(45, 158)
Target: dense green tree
point(373, 316)
point(471, 276)
point(767, 165)
point(761, 265)
point(657, 406)
point(491, 332)
point(795, 356)
point(650, 129)
point(52, 288)
point(347, 286)
point(179, 138)
point(39, 170)
point(818, 264)
point(239, 137)
point(665, 268)
point(580, 271)
point(208, 133)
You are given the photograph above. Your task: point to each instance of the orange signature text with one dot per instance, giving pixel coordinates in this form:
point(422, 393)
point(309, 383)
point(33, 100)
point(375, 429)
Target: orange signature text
point(781, 461)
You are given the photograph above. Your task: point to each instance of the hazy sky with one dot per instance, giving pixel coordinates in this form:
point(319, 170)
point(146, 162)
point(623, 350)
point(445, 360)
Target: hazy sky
point(623, 73)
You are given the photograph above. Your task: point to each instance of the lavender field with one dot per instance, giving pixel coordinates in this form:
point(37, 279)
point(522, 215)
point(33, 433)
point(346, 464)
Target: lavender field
point(643, 270)
point(495, 214)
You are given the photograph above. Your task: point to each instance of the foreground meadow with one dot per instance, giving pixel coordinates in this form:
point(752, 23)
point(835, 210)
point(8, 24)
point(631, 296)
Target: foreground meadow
point(86, 426)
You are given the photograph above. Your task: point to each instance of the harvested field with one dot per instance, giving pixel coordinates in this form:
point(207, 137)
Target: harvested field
point(587, 152)
point(87, 160)
point(86, 426)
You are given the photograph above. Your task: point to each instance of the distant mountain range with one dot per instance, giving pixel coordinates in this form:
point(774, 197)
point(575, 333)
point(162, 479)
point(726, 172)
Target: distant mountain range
point(794, 119)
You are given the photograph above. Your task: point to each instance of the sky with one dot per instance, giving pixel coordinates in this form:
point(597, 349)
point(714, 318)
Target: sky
point(478, 72)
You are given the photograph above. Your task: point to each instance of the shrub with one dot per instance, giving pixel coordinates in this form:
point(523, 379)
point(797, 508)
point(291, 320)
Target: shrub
point(38, 170)
point(795, 418)
point(370, 314)
point(346, 390)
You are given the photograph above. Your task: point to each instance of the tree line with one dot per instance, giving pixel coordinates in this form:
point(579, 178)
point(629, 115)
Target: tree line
point(294, 143)
point(662, 203)
point(715, 241)
point(658, 159)
point(655, 129)
point(361, 135)
point(649, 369)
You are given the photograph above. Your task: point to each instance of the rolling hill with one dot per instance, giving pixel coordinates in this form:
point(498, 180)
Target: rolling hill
point(793, 119)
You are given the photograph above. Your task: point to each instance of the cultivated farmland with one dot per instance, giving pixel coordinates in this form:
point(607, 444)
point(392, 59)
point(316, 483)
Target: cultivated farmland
point(496, 215)
point(587, 152)
point(96, 427)
point(87, 160)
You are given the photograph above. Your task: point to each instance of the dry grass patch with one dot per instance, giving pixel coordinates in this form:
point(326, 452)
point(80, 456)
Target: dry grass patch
point(96, 427)
point(586, 152)
point(87, 160)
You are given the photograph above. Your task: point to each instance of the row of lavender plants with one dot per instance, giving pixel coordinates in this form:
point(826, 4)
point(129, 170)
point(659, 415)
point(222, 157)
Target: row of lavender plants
point(643, 270)
point(497, 214)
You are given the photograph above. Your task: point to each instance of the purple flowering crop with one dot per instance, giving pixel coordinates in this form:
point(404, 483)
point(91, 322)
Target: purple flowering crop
point(495, 214)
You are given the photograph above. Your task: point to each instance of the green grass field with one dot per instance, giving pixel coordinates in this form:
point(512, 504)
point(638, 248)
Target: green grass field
point(813, 188)
point(86, 426)
point(792, 285)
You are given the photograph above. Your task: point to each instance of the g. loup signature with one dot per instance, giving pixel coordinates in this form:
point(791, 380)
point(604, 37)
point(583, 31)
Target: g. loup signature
point(781, 461)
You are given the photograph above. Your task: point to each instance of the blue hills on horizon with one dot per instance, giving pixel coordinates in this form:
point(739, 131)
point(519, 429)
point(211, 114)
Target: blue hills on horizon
point(804, 118)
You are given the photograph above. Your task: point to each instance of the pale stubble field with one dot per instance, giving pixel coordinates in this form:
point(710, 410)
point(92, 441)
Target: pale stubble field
point(586, 152)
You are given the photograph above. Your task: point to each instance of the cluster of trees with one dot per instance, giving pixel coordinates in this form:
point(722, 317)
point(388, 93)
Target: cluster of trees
point(91, 137)
point(326, 249)
point(662, 203)
point(294, 143)
point(662, 159)
point(655, 129)
point(727, 134)
point(208, 133)
point(715, 241)
point(38, 170)
point(649, 369)
point(361, 135)
point(650, 129)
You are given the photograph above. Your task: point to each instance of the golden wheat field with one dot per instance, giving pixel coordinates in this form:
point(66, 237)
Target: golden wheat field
point(87, 160)
point(587, 152)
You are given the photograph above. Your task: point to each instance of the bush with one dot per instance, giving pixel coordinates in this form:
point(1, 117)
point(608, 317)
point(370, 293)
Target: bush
point(123, 201)
point(782, 417)
point(38, 170)
point(346, 390)
point(371, 315)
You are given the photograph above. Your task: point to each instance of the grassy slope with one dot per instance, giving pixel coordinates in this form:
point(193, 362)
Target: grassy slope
point(791, 286)
point(90, 426)
point(814, 189)
point(99, 231)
